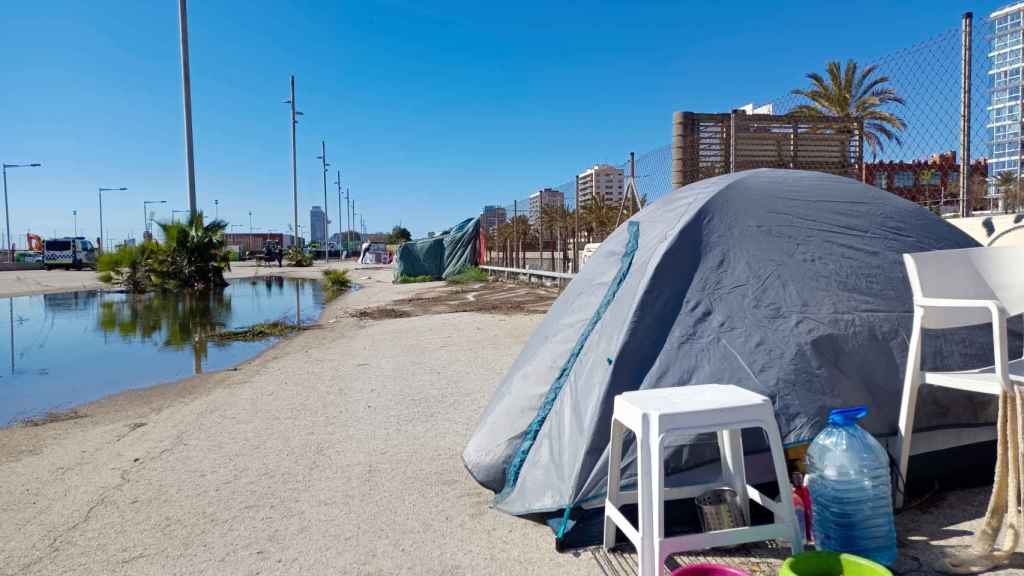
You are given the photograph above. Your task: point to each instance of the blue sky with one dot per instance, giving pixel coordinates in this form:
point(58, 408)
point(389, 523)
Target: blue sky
point(430, 109)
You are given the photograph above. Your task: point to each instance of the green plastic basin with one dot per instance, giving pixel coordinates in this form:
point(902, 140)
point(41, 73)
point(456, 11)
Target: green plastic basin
point(831, 564)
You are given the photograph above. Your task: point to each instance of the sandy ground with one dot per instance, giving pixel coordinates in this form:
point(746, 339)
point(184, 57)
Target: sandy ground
point(24, 282)
point(335, 452)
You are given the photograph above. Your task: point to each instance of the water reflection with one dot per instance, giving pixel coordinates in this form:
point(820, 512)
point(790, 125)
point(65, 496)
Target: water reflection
point(175, 320)
point(74, 347)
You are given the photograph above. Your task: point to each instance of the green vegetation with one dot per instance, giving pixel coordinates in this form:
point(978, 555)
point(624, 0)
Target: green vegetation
point(854, 94)
point(336, 283)
point(255, 332)
point(399, 235)
point(470, 275)
point(415, 279)
point(192, 256)
point(298, 258)
point(125, 267)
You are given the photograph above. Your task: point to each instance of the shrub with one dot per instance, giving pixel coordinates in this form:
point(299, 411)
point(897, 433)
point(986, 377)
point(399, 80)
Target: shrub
point(470, 275)
point(192, 257)
point(126, 267)
point(298, 258)
point(336, 282)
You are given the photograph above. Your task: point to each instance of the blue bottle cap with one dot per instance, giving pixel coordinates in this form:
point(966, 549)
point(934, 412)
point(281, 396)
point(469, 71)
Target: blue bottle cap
point(847, 416)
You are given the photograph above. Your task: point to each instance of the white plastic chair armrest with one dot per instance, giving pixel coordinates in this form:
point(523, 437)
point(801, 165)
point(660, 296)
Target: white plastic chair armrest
point(999, 338)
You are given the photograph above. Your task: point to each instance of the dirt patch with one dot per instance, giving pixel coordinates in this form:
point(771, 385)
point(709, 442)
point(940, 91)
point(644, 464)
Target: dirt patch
point(381, 313)
point(483, 297)
point(52, 417)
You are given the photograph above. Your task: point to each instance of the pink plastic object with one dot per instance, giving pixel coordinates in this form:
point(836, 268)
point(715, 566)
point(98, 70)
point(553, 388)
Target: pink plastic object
point(708, 570)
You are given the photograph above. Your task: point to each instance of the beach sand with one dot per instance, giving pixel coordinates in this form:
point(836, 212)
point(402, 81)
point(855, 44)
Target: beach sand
point(335, 452)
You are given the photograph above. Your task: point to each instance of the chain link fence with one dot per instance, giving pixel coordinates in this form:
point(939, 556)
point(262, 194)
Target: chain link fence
point(906, 134)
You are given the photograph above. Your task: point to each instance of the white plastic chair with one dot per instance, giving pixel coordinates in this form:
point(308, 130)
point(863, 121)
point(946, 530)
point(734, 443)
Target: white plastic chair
point(666, 417)
point(954, 289)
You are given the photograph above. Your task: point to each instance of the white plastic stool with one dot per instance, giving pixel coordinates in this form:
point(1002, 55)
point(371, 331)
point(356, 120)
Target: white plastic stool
point(666, 417)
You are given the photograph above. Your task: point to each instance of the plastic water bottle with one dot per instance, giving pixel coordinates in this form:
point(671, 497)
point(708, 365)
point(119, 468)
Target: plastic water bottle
point(848, 477)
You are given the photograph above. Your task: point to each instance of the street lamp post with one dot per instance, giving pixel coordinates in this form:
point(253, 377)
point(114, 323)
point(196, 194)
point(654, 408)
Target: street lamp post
point(7, 211)
point(324, 164)
point(250, 222)
point(103, 241)
point(186, 89)
point(216, 209)
point(338, 182)
point(295, 177)
point(74, 214)
point(145, 211)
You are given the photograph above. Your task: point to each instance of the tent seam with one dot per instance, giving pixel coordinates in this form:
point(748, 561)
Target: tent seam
point(526, 443)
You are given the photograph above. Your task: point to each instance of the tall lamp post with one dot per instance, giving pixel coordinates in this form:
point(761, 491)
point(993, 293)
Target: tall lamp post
point(145, 211)
point(250, 222)
point(324, 164)
point(186, 90)
point(7, 211)
point(74, 214)
point(295, 177)
point(103, 240)
point(338, 182)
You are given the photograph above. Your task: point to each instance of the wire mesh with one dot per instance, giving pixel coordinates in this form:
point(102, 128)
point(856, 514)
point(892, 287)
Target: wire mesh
point(920, 161)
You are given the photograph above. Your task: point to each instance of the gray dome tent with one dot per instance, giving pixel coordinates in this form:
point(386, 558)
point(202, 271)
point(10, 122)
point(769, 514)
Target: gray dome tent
point(788, 283)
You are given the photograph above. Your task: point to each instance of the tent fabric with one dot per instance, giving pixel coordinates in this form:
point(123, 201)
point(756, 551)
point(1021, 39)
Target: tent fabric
point(460, 246)
point(788, 283)
point(442, 256)
point(424, 257)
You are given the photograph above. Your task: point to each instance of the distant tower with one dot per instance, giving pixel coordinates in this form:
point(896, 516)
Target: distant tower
point(316, 225)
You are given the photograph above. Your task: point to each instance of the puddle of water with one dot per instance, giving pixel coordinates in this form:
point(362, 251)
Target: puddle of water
point(73, 347)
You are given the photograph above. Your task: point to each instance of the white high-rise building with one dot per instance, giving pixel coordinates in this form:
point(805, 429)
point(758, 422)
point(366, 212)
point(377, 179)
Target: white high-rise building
point(602, 180)
point(1004, 116)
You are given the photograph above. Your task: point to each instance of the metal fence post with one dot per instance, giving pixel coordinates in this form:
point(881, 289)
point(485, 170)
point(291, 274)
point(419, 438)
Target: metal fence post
point(576, 236)
point(965, 118)
point(515, 234)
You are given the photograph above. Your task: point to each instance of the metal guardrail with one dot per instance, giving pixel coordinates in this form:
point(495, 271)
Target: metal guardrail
point(528, 276)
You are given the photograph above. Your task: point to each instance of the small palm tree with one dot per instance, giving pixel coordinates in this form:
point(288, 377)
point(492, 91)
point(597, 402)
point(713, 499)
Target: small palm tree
point(193, 255)
point(855, 94)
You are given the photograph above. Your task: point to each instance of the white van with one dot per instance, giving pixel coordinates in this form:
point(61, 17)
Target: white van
point(76, 253)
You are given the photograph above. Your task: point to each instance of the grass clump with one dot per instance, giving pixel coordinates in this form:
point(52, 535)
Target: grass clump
point(415, 279)
point(470, 275)
point(259, 331)
point(336, 283)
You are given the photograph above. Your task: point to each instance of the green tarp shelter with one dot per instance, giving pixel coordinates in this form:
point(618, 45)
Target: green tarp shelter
point(442, 256)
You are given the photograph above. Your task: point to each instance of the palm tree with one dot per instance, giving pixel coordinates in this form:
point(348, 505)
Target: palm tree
point(598, 217)
point(1007, 185)
point(858, 95)
point(193, 255)
point(556, 220)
